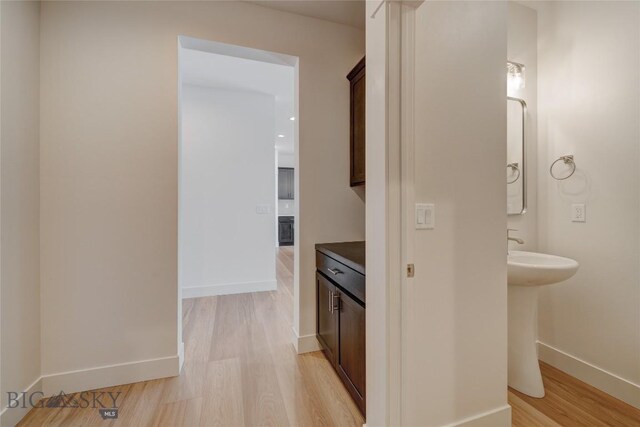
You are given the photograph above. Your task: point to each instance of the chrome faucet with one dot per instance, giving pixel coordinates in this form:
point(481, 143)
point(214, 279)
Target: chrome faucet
point(514, 239)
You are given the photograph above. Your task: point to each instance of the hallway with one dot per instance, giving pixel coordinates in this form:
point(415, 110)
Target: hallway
point(240, 369)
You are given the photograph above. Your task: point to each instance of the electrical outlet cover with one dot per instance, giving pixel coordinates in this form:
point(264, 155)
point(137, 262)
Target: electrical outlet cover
point(578, 213)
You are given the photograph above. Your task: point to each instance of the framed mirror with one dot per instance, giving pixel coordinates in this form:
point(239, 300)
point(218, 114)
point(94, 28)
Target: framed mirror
point(516, 170)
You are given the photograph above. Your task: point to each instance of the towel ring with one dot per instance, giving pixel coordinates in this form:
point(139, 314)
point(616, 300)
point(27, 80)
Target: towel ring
point(514, 168)
point(568, 160)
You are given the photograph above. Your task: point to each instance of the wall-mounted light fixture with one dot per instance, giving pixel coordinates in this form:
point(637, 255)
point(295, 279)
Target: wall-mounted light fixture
point(515, 76)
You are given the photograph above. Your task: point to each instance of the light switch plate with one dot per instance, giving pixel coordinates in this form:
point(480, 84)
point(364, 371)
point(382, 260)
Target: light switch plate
point(578, 213)
point(425, 216)
point(263, 209)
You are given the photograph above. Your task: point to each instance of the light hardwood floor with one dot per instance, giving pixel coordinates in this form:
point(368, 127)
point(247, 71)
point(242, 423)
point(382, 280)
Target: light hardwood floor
point(240, 369)
point(570, 402)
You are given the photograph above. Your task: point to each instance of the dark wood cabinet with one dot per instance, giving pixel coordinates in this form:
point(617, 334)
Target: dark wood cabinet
point(327, 317)
point(285, 183)
point(340, 307)
point(357, 119)
point(351, 330)
point(285, 231)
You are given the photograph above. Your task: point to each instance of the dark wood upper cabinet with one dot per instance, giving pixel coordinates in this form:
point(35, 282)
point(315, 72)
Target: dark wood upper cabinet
point(285, 183)
point(357, 116)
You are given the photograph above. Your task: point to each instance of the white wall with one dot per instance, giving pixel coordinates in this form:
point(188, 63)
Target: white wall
point(589, 94)
point(20, 193)
point(455, 335)
point(226, 173)
point(522, 47)
point(286, 160)
point(109, 163)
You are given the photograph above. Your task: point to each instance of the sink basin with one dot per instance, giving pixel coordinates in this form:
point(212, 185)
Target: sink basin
point(526, 271)
point(535, 269)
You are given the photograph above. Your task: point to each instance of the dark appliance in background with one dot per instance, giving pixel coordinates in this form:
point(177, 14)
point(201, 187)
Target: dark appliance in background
point(285, 230)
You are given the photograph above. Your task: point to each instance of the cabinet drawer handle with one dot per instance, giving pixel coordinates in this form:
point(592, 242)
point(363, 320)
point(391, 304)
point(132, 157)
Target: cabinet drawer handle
point(334, 271)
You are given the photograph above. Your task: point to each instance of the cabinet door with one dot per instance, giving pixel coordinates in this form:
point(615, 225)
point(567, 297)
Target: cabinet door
point(351, 353)
point(327, 315)
point(285, 232)
point(285, 183)
point(357, 146)
point(290, 181)
point(282, 192)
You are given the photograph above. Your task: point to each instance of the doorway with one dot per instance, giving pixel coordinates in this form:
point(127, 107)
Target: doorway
point(237, 127)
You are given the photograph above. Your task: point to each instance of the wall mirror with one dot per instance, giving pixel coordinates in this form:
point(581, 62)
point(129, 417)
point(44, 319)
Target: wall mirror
point(516, 171)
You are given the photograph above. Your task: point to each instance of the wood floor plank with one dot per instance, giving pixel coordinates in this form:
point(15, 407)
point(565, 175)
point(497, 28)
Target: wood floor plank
point(141, 403)
point(319, 375)
point(574, 392)
point(198, 326)
point(222, 403)
point(263, 401)
point(180, 413)
point(523, 414)
point(190, 384)
point(571, 402)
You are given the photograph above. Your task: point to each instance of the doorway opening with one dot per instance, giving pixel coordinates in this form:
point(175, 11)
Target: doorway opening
point(238, 139)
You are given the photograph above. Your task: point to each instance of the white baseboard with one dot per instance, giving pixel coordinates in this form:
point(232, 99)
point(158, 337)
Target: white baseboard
point(499, 417)
point(111, 375)
point(305, 343)
point(608, 382)
point(95, 378)
point(228, 289)
point(11, 416)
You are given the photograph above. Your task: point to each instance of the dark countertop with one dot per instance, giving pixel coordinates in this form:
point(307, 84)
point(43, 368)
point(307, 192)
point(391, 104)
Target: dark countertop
point(351, 254)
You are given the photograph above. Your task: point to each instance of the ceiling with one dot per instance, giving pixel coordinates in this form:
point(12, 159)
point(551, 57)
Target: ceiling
point(208, 69)
point(347, 12)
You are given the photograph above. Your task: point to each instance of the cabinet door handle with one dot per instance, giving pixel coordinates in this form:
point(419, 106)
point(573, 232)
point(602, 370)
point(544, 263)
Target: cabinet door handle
point(330, 301)
point(334, 271)
point(335, 306)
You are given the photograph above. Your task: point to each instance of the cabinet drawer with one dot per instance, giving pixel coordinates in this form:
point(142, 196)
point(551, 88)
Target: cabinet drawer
point(348, 279)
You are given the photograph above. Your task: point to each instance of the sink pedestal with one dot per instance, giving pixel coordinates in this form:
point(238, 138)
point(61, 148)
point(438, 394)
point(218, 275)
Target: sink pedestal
point(524, 370)
point(526, 272)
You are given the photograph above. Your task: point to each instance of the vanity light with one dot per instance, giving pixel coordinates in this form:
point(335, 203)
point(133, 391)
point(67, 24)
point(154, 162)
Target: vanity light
point(515, 76)
point(292, 118)
point(281, 136)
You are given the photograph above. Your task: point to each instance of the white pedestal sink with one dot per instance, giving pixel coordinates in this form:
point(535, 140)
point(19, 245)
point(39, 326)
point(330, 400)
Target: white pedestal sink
point(526, 271)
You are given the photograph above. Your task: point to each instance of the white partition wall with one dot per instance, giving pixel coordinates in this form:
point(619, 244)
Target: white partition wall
point(109, 173)
point(589, 105)
point(436, 133)
point(20, 204)
point(227, 191)
point(455, 339)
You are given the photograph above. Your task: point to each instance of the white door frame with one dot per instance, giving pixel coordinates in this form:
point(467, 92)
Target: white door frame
point(390, 172)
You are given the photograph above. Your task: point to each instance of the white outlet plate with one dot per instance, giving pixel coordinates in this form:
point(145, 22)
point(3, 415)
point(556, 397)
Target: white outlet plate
point(425, 216)
point(578, 213)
